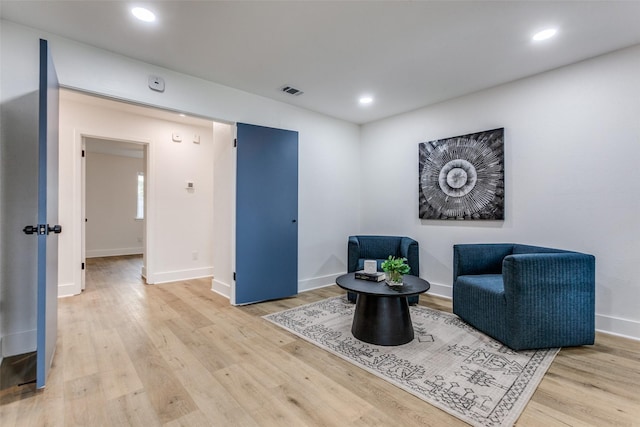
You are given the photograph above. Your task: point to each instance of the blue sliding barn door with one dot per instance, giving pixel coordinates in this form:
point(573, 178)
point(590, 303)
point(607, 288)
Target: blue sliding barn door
point(266, 214)
point(47, 315)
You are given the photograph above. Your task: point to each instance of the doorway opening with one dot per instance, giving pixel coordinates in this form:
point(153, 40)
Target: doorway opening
point(113, 203)
point(184, 158)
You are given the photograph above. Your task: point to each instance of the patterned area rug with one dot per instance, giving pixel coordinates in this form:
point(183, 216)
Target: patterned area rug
point(449, 364)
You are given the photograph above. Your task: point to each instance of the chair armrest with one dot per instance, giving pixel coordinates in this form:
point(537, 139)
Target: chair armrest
point(481, 258)
point(540, 276)
point(353, 254)
point(409, 249)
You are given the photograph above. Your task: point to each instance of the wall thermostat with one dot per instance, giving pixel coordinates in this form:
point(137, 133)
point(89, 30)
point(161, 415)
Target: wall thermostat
point(156, 83)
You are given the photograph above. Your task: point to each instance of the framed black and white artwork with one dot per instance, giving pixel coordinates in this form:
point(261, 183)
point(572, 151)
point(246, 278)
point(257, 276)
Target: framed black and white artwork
point(462, 177)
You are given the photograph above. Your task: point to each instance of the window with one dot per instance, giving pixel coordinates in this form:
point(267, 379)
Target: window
point(140, 201)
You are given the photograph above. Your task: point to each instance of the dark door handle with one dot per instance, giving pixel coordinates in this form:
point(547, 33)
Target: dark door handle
point(42, 229)
point(30, 229)
point(293, 220)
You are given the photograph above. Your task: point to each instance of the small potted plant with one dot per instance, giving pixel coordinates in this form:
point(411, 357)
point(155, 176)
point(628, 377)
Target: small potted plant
point(394, 269)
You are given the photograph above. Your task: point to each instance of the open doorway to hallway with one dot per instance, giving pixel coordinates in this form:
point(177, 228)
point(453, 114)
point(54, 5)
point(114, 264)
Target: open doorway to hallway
point(113, 200)
point(113, 271)
point(179, 164)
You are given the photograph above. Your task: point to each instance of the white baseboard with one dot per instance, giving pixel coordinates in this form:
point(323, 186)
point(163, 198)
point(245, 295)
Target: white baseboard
point(317, 282)
point(625, 328)
point(174, 276)
point(444, 291)
point(221, 288)
point(98, 253)
point(68, 290)
point(19, 343)
point(224, 289)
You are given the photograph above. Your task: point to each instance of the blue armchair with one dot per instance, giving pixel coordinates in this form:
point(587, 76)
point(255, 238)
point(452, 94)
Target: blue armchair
point(378, 248)
point(524, 296)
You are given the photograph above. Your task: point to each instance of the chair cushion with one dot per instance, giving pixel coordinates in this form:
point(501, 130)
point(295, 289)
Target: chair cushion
point(480, 301)
point(492, 284)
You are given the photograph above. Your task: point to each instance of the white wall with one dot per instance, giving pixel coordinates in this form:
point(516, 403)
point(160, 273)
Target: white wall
point(18, 183)
point(179, 221)
point(224, 212)
point(572, 181)
point(111, 203)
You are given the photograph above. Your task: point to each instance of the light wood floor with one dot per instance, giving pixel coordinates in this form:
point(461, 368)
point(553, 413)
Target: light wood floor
point(178, 355)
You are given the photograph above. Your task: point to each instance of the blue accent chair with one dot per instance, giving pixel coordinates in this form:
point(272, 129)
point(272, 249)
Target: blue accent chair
point(378, 248)
point(526, 297)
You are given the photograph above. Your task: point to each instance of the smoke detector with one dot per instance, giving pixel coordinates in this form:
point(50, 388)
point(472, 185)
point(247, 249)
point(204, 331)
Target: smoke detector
point(291, 90)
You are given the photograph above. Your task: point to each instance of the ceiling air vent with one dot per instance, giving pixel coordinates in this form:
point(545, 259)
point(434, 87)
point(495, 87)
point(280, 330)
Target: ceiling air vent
point(291, 90)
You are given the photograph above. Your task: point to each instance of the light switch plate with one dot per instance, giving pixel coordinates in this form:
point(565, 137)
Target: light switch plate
point(176, 137)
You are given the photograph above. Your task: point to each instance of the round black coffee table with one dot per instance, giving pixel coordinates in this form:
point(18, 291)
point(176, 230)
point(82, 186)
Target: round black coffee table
point(382, 312)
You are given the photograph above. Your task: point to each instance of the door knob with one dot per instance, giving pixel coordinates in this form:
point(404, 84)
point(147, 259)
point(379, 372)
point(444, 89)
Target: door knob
point(55, 229)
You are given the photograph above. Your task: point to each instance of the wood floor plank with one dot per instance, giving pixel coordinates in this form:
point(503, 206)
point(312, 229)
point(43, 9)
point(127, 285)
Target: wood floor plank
point(168, 397)
point(134, 409)
point(194, 419)
point(178, 354)
point(210, 396)
point(116, 370)
point(86, 402)
point(264, 406)
point(79, 351)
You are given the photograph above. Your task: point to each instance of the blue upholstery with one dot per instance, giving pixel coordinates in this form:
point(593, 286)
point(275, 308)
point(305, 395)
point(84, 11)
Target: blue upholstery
point(361, 248)
point(524, 296)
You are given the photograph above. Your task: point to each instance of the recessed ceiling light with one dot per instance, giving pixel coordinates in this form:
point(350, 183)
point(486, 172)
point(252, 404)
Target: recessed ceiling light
point(365, 100)
point(182, 115)
point(143, 14)
point(544, 34)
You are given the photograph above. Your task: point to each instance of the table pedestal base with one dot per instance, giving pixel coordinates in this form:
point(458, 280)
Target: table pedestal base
point(382, 320)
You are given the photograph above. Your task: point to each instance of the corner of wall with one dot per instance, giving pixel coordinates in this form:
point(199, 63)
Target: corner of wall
point(221, 288)
point(68, 290)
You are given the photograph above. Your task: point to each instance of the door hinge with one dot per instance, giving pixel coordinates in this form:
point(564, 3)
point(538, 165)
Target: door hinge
point(235, 142)
point(83, 266)
point(234, 276)
point(82, 153)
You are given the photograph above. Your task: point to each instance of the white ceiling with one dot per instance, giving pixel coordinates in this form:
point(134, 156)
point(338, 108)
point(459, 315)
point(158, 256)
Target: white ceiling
point(405, 54)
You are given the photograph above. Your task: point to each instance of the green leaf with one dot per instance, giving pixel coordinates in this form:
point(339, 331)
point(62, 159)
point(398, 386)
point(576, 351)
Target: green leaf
point(395, 264)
